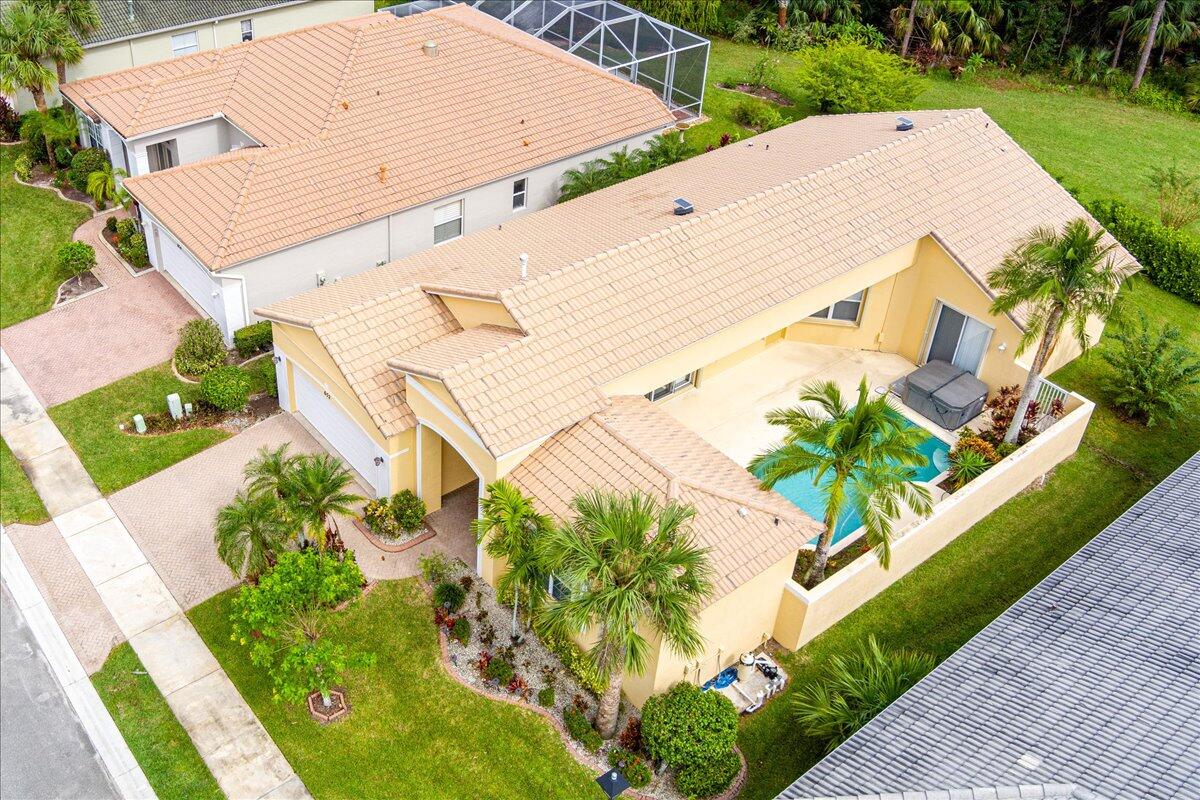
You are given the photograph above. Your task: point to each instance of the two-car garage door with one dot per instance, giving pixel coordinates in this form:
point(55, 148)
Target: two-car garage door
point(349, 440)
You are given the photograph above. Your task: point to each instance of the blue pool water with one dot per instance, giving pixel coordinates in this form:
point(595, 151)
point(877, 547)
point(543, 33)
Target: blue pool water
point(811, 499)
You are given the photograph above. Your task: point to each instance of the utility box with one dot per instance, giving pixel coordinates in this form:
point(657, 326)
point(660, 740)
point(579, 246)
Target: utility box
point(175, 406)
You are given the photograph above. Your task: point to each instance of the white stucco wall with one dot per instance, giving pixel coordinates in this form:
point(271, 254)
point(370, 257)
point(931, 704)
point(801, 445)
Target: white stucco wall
point(101, 58)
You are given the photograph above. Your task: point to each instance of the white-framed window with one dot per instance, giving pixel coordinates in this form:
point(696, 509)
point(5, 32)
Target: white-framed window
point(184, 43)
point(668, 389)
point(843, 310)
point(447, 222)
point(162, 155)
point(247, 30)
point(90, 129)
point(520, 192)
point(558, 590)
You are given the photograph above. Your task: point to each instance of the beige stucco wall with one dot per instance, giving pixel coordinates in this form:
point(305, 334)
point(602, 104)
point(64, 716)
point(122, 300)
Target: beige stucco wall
point(101, 58)
point(471, 313)
point(803, 614)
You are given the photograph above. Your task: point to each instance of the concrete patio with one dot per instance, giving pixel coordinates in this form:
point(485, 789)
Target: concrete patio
point(728, 409)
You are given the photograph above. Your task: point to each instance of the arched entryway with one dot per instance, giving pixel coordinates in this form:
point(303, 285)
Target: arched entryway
point(451, 487)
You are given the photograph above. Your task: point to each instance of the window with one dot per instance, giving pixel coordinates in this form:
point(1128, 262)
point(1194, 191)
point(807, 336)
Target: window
point(247, 30)
point(519, 194)
point(843, 310)
point(558, 589)
point(184, 43)
point(668, 389)
point(447, 222)
point(90, 130)
point(162, 155)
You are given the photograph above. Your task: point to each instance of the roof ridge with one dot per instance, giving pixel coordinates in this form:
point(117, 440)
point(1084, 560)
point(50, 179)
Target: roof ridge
point(341, 82)
point(751, 198)
point(237, 211)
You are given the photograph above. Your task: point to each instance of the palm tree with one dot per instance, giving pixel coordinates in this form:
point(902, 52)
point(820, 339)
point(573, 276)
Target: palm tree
point(249, 532)
point(863, 456)
point(54, 127)
point(582, 180)
point(629, 562)
point(81, 18)
point(782, 12)
point(956, 25)
point(315, 491)
point(269, 470)
point(102, 184)
point(669, 148)
point(515, 527)
point(1061, 280)
point(1148, 44)
point(622, 164)
point(28, 36)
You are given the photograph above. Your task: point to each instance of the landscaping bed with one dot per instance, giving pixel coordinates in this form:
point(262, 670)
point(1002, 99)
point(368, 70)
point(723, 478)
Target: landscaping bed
point(120, 245)
point(78, 286)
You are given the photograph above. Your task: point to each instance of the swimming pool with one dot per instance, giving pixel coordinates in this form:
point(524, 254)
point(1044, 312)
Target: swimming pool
point(811, 499)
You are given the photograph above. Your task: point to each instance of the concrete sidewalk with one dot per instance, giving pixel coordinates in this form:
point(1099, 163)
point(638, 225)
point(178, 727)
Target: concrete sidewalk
point(242, 757)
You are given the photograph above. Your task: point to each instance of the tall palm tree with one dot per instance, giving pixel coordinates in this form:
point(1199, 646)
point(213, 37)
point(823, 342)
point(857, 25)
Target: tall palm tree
point(315, 490)
point(30, 35)
point(628, 561)
point(515, 527)
point(863, 456)
point(1062, 280)
point(268, 471)
point(55, 128)
point(81, 18)
point(249, 532)
point(956, 25)
point(1148, 44)
point(102, 184)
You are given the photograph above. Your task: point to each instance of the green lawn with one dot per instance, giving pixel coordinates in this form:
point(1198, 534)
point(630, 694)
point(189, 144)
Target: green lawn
point(413, 731)
point(949, 598)
point(115, 459)
point(158, 741)
point(1101, 148)
point(19, 502)
point(33, 223)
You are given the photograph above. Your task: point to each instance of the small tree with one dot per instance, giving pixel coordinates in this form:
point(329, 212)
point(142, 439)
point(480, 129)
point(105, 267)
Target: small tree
point(250, 531)
point(102, 184)
point(81, 18)
point(848, 76)
point(267, 472)
point(1178, 196)
point(316, 491)
point(856, 688)
point(309, 663)
point(29, 36)
point(76, 258)
point(509, 527)
point(1155, 374)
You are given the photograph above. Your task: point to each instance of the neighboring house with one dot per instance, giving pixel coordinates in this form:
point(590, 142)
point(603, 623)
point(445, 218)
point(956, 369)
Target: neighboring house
point(136, 32)
point(521, 351)
point(271, 167)
point(1087, 688)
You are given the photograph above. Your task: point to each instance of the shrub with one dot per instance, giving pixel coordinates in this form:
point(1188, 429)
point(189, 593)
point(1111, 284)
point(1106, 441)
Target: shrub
point(461, 630)
point(632, 766)
point(857, 686)
point(687, 726)
point(851, 77)
point(409, 510)
point(759, 116)
point(1171, 258)
point(377, 514)
point(134, 251)
point(1157, 98)
point(545, 696)
point(63, 154)
point(764, 71)
point(201, 347)
point(252, 339)
point(124, 229)
point(1178, 196)
point(581, 730)
point(1154, 374)
point(497, 669)
point(23, 166)
point(266, 369)
point(706, 778)
point(226, 388)
point(83, 164)
point(448, 592)
point(76, 258)
point(10, 122)
point(966, 465)
point(435, 567)
point(631, 737)
point(110, 225)
point(577, 662)
point(300, 581)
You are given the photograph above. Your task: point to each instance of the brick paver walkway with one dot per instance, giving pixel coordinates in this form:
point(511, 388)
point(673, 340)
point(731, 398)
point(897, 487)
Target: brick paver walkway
point(91, 342)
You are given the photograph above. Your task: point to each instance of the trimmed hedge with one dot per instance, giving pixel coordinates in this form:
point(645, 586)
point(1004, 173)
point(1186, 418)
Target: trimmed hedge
point(1171, 258)
point(694, 733)
point(83, 164)
point(201, 347)
point(227, 388)
point(252, 339)
point(76, 258)
point(707, 778)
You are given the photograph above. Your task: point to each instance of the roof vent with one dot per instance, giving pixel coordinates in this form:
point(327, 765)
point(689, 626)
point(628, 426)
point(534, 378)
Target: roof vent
point(904, 124)
point(1029, 761)
point(524, 259)
point(683, 207)
point(743, 512)
point(430, 48)
point(129, 10)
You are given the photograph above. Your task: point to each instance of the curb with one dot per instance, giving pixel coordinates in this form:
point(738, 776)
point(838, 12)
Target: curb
point(122, 767)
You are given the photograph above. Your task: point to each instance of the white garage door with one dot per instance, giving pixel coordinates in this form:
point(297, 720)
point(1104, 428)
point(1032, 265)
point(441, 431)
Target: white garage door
point(193, 278)
point(345, 436)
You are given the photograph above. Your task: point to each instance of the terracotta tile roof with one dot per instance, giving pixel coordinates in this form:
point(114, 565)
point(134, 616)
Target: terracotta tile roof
point(374, 126)
point(454, 350)
point(616, 281)
point(635, 445)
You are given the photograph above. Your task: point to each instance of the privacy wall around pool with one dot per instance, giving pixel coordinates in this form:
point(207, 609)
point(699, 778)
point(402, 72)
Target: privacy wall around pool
point(804, 613)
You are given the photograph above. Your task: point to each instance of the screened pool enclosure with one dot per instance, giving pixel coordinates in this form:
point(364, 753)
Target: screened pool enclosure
point(623, 41)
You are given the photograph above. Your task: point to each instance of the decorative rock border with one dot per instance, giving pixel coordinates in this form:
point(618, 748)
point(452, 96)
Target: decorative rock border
point(339, 708)
point(392, 548)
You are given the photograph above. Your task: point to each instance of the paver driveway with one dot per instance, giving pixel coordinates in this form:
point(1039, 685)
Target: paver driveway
point(91, 342)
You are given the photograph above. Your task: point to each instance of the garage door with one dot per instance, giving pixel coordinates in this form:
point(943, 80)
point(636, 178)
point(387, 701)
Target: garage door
point(345, 436)
point(191, 277)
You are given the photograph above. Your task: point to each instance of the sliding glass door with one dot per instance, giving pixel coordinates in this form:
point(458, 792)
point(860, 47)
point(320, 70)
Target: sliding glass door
point(957, 338)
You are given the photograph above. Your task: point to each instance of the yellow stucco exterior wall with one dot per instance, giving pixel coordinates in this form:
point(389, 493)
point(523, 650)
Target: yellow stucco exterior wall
point(472, 313)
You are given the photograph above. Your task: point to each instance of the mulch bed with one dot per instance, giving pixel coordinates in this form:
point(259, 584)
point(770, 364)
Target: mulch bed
point(44, 178)
point(837, 561)
point(78, 286)
point(111, 238)
point(397, 545)
point(761, 92)
point(259, 407)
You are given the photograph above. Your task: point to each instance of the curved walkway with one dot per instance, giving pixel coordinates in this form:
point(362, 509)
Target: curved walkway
point(233, 743)
point(131, 325)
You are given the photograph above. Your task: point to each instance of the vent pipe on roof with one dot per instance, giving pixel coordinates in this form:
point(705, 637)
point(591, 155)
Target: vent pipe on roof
point(129, 10)
point(430, 48)
point(524, 259)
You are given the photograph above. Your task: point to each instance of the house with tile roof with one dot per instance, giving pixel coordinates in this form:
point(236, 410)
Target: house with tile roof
point(267, 168)
point(137, 32)
point(1087, 687)
point(612, 341)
